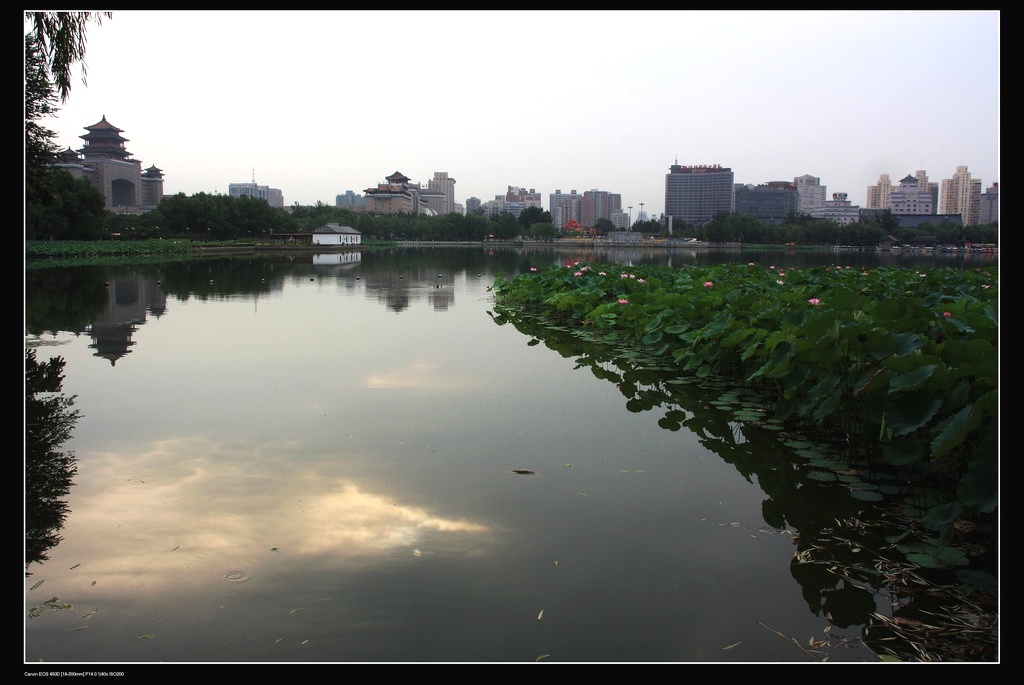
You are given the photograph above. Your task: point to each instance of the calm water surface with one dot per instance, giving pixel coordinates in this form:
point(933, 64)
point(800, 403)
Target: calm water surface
point(299, 459)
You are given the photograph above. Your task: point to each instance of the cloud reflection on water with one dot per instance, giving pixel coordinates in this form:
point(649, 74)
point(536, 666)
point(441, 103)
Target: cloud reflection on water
point(160, 518)
point(417, 375)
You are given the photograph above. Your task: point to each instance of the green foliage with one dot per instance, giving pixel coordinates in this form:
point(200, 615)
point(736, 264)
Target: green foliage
point(49, 421)
point(205, 217)
point(75, 210)
point(61, 39)
point(40, 148)
point(543, 231)
point(47, 253)
point(533, 215)
point(910, 357)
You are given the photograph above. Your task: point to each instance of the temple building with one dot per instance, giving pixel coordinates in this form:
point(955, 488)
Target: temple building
point(397, 195)
point(106, 163)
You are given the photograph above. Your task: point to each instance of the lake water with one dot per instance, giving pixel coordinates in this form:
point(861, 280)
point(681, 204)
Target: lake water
point(304, 459)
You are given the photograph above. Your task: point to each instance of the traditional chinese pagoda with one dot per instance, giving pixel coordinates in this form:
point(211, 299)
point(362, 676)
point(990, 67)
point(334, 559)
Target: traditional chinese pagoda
point(105, 162)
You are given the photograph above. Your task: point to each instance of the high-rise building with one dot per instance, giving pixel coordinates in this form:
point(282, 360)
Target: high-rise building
point(810, 193)
point(990, 205)
point(441, 182)
point(514, 201)
point(961, 195)
point(910, 198)
point(108, 166)
point(930, 186)
point(472, 205)
point(770, 202)
point(273, 196)
point(529, 198)
point(349, 199)
point(564, 207)
point(434, 200)
point(695, 194)
point(598, 204)
point(878, 194)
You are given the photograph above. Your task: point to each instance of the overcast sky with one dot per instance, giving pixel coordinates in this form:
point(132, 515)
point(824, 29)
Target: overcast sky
point(319, 102)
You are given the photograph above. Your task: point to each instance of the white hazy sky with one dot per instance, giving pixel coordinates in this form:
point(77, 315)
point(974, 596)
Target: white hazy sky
point(319, 102)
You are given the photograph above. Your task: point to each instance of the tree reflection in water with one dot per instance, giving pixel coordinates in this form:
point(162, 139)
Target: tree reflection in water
point(847, 561)
point(49, 420)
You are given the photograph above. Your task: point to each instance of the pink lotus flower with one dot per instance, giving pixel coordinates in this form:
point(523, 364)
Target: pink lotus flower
point(640, 280)
point(623, 301)
point(578, 273)
point(709, 284)
point(533, 268)
point(602, 273)
point(623, 275)
point(947, 314)
point(750, 263)
point(781, 282)
point(986, 285)
point(772, 266)
point(782, 274)
point(814, 302)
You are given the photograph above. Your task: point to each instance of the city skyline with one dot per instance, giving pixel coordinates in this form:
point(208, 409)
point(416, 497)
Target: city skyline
point(316, 103)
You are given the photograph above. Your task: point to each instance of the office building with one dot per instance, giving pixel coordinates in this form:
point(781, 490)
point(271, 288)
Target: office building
point(446, 186)
point(433, 199)
point(990, 205)
point(273, 196)
point(838, 209)
point(695, 194)
point(810, 193)
point(770, 202)
point(910, 198)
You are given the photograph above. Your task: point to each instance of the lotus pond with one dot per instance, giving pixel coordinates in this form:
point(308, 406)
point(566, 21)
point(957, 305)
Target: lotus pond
point(442, 455)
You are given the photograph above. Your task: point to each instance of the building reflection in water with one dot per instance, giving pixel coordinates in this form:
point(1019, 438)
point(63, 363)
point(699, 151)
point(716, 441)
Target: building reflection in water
point(131, 298)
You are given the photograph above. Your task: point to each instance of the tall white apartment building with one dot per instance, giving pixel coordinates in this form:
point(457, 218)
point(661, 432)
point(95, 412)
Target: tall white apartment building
point(878, 194)
point(930, 186)
point(810, 193)
point(961, 195)
point(442, 183)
